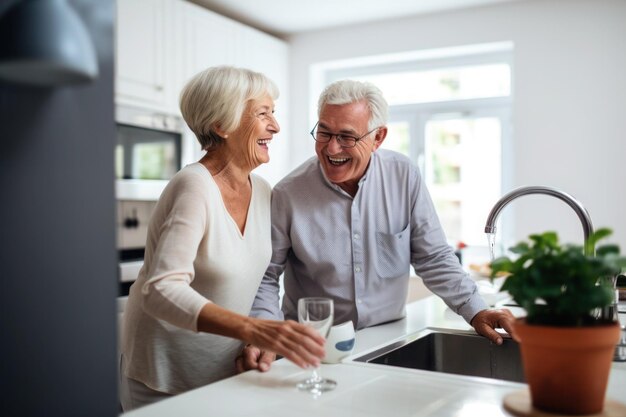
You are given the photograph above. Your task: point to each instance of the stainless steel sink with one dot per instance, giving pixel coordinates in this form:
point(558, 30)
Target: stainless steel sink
point(453, 352)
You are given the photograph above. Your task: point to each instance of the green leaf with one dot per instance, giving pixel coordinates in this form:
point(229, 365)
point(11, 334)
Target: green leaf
point(545, 240)
point(560, 284)
point(520, 249)
point(592, 241)
point(551, 238)
point(501, 264)
point(607, 249)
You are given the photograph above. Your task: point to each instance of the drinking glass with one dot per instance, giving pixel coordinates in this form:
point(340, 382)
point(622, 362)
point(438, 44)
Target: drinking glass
point(317, 313)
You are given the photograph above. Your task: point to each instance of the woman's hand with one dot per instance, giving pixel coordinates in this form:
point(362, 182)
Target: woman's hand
point(300, 344)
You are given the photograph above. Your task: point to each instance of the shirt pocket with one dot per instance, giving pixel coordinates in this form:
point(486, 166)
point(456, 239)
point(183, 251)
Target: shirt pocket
point(394, 253)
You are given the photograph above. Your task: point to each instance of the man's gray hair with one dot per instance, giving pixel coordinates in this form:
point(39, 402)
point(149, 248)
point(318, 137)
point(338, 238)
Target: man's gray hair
point(350, 91)
point(217, 98)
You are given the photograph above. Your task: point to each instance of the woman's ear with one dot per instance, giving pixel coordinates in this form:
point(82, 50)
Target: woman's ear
point(220, 132)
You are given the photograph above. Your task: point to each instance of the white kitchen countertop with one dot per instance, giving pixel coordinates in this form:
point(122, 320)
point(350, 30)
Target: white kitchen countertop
point(362, 389)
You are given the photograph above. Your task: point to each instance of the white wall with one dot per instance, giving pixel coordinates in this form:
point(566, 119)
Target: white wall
point(569, 114)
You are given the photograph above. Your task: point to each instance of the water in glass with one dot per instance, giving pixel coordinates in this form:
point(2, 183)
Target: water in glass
point(317, 313)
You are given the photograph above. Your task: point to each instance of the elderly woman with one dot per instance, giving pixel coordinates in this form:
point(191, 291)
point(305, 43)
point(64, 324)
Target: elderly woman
point(208, 245)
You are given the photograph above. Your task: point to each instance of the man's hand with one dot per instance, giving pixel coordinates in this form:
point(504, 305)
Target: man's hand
point(252, 357)
point(485, 321)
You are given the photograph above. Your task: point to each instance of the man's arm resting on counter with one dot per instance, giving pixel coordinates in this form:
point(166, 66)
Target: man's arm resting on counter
point(266, 306)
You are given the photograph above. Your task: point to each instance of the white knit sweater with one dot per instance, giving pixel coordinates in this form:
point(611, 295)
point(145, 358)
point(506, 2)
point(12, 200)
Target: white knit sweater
point(195, 253)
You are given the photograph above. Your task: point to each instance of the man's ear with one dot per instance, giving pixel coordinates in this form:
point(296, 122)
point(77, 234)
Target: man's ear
point(381, 134)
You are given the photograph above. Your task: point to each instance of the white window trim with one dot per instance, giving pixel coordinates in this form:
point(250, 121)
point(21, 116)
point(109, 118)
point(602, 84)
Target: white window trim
point(417, 114)
point(420, 113)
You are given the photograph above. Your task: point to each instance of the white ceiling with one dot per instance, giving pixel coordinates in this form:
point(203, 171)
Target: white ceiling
point(287, 17)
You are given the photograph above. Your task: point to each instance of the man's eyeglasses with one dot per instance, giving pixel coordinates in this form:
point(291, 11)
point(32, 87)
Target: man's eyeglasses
point(345, 141)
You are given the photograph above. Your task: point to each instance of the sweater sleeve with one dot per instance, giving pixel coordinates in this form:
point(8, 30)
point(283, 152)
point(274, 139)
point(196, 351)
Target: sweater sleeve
point(167, 293)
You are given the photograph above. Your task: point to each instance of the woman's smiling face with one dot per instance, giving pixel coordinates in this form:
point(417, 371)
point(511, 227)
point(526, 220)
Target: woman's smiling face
point(346, 166)
point(257, 128)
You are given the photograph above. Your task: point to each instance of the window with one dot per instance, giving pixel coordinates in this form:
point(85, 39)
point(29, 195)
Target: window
point(445, 84)
point(463, 155)
point(451, 116)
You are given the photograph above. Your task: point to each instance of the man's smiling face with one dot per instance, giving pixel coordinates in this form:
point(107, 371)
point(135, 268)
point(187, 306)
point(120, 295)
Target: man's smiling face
point(346, 166)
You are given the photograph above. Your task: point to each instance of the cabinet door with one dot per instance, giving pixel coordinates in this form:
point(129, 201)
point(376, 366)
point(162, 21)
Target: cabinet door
point(203, 39)
point(142, 49)
point(263, 53)
point(207, 39)
point(210, 39)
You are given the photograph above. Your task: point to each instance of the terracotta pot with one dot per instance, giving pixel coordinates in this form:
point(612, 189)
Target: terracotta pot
point(567, 368)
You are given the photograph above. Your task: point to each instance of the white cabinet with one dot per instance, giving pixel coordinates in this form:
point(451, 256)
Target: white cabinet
point(161, 44)
point(209, 39)
point(270, 56)
point(144, 48)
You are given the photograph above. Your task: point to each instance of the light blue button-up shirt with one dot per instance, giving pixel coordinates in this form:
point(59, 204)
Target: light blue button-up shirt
point(358, 251)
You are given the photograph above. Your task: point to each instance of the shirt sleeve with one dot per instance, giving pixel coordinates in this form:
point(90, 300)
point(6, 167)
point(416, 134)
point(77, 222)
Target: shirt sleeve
point(167, 293)
point(267, 300)
point(434, 260)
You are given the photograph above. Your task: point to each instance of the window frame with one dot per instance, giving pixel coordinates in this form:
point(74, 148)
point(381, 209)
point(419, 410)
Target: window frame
point(418, 114)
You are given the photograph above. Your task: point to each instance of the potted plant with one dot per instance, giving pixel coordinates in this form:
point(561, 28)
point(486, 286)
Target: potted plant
point(566, 343)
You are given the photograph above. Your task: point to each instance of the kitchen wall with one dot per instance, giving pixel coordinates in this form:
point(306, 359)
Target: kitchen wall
point(569, 97)
point(57, 242)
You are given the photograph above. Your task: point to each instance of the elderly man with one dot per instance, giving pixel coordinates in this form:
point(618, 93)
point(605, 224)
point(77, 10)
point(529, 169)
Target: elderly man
point(348, 224)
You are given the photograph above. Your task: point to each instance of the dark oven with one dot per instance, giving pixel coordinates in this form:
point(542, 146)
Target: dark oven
point(148, 144)
point(147, 155)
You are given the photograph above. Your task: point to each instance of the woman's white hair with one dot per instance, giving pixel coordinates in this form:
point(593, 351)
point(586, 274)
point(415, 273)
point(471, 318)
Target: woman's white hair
point(350, 91)
point(217, 98)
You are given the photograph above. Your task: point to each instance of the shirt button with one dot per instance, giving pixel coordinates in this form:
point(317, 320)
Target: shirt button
point(359, 301)
point(357, 269)
point(357, 236)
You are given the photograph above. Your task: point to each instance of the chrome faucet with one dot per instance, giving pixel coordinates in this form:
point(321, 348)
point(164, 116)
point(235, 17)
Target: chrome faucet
point(609, 312)
point(583, 215)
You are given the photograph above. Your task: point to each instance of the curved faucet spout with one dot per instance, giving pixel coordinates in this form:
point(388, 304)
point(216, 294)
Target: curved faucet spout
point(583, 215)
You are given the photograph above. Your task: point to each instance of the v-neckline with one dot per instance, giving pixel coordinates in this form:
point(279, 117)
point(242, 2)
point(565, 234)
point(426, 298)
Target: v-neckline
point(241, 234)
